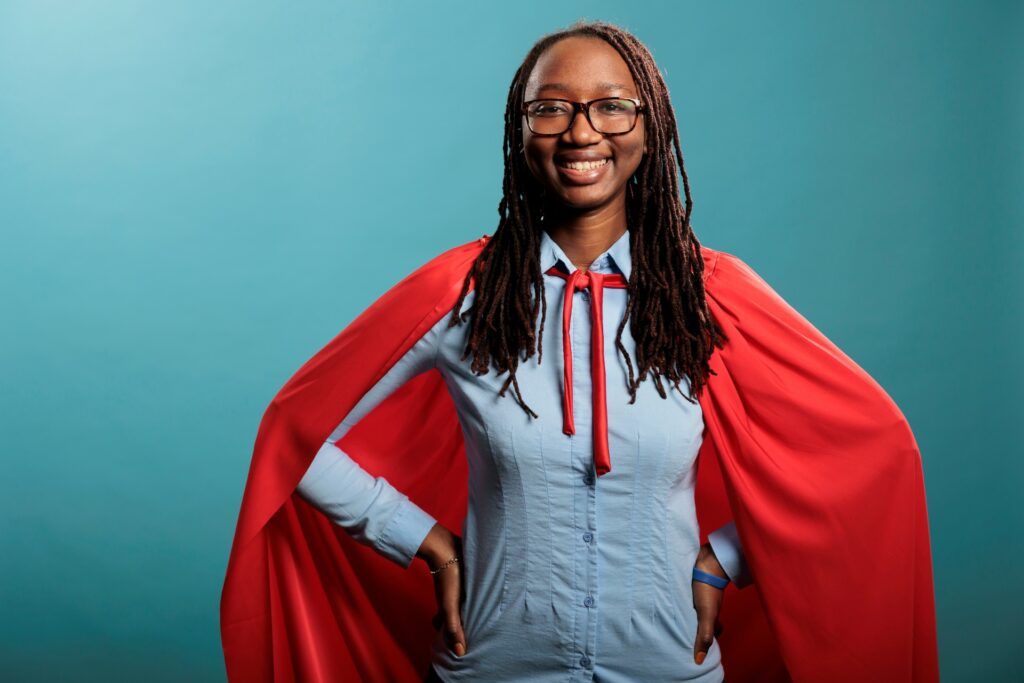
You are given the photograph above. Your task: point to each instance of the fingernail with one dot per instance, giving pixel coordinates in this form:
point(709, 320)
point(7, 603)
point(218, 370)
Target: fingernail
point(701, 656)
point(460, 649)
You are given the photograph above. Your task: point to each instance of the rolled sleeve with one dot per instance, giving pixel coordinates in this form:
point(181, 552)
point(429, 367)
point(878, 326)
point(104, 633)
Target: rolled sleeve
point(373, 511)
point(725, 541)
point(404, 534)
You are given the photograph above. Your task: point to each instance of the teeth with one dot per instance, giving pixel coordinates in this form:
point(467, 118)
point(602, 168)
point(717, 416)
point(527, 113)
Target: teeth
point(584, 165)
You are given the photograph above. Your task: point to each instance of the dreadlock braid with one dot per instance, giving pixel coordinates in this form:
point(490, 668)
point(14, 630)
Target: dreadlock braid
point(674, 330)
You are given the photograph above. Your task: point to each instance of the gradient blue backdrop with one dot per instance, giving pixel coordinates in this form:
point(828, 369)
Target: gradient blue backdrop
point(196, 196)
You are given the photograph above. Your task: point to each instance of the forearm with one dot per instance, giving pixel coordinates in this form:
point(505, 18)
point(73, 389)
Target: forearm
point(369, 508)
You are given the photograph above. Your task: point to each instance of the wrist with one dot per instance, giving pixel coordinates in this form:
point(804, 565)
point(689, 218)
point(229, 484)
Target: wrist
point(438, 547)
point(708, 562)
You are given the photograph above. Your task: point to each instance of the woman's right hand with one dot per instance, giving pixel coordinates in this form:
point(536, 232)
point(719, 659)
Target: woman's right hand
point(438, 548)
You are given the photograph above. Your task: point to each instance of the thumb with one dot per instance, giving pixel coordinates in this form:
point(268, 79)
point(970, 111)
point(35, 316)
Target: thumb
point(453, 620)
point(705, 636)
point(453, 632)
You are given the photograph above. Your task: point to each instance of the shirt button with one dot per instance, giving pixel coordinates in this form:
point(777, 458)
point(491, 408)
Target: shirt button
point(589, 601)
point(588, 537)
point(588, 478)
point(584, 661)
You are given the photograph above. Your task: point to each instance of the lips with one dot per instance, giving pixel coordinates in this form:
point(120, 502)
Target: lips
point(583, 165)
point(582, 171)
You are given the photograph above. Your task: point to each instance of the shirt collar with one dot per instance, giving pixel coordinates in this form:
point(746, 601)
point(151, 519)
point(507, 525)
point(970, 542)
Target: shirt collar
point(617, 258)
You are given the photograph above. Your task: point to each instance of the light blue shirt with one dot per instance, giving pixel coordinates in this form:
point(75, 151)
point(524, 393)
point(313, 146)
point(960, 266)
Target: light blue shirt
point(568, 576)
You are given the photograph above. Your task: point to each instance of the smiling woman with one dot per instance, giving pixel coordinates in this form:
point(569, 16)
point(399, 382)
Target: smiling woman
point(579, 554)
point(584, 160)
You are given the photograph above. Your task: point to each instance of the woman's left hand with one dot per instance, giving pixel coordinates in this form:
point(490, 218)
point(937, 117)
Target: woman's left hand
point(707, 600)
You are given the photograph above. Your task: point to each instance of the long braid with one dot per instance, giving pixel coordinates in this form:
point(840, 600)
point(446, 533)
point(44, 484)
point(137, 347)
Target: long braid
point(671, 323)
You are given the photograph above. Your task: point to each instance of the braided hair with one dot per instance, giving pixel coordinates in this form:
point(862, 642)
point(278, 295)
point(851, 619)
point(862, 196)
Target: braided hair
point(674, 331)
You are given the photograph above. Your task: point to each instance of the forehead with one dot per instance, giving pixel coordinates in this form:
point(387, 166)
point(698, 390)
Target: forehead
point(580, 68)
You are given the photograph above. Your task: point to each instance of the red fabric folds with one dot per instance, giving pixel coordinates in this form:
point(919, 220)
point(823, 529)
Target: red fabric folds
point(815, 463)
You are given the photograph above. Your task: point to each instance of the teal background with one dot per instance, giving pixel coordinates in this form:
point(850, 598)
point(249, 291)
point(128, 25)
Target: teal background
point(195, 197)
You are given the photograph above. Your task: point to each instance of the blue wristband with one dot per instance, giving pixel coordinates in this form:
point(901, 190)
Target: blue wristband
point(704, 577)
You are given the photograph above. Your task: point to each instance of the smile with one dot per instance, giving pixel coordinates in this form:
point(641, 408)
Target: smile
point(583, 165)
point(583, 172)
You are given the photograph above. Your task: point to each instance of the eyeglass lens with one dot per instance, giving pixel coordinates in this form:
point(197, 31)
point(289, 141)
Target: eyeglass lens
point(612, 115)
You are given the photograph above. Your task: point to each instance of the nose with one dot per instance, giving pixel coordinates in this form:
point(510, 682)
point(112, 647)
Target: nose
point(581, 132)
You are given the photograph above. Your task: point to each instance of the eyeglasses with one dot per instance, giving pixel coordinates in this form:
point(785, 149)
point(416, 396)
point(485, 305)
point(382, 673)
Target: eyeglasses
point(608, 115)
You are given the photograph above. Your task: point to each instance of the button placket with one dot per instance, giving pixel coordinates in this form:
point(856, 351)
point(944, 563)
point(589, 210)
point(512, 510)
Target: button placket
point(584, 458)
point(581, 458)
point(585, 519)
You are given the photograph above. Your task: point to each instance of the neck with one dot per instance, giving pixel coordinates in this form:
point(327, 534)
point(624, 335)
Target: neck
point(585, 235)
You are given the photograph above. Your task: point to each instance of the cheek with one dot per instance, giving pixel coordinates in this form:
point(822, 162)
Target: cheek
point(536, 156)
point(630, 153)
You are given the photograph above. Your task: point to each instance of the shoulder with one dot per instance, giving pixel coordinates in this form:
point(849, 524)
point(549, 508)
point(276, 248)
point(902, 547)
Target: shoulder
point(437, 277)
point(713, 260)
point(721, 265)
point(406, 312)
point(420, 299)
point(426, 292)
point(453, 262)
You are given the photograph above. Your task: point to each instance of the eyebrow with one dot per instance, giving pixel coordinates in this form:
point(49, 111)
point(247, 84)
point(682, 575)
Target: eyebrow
point(604, 85)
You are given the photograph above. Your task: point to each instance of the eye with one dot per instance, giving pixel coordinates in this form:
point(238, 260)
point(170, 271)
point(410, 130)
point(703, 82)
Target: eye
point(615, 106)
point(549, 108)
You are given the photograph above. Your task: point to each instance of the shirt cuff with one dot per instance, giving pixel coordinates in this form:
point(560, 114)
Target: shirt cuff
point(404, 534)
point(725, 541)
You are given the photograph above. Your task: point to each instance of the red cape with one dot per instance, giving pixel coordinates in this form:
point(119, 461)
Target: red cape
point(815, 462)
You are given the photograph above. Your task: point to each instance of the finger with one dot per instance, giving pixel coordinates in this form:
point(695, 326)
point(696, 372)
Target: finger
point(706, 601)
point(453, 616)
point(454, 634)
point(702, 642)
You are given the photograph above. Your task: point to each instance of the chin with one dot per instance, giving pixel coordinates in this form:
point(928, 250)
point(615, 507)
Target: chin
point(583, 197)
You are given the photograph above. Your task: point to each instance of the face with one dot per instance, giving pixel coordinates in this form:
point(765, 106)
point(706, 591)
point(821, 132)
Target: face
point(582, 69)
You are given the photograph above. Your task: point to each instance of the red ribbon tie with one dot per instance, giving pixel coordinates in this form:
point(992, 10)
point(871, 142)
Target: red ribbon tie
point(595, 282)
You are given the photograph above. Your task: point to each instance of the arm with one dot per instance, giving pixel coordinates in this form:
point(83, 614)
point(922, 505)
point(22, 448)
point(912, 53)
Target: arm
point(725, 542)
point(369, 508)
point(721, 554)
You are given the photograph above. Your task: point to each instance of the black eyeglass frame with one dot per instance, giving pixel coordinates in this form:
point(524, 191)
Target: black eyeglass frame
point(585, 108)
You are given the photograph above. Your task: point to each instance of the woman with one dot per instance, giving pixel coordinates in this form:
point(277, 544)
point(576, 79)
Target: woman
point(579, 555)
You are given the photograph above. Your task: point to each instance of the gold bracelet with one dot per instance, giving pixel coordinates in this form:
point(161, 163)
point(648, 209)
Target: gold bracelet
point(454, 559)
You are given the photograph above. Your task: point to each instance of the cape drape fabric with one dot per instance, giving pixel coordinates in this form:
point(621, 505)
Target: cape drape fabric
point(809, 455)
